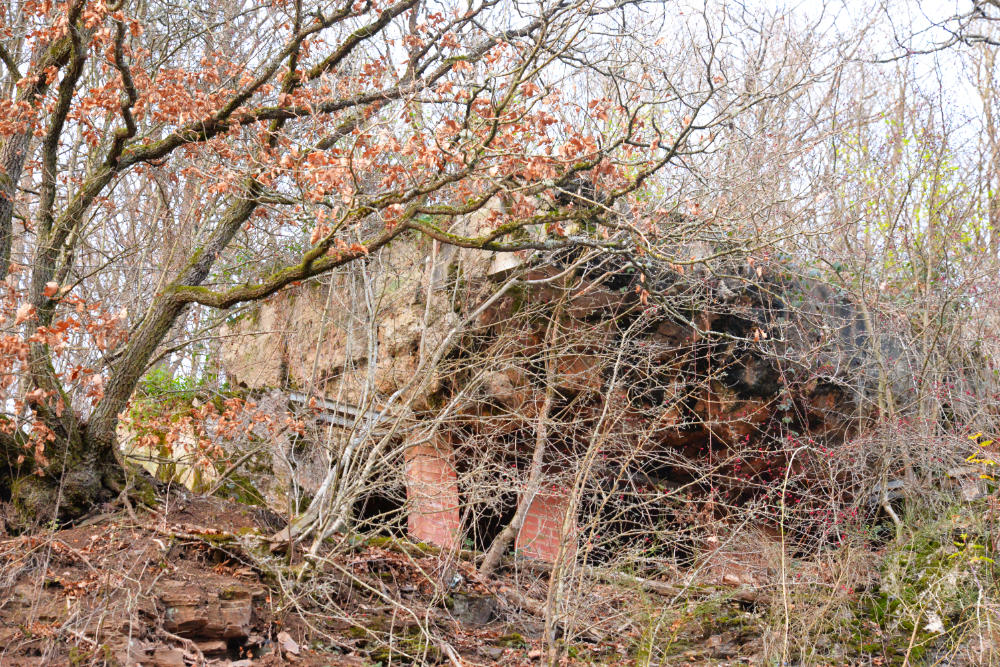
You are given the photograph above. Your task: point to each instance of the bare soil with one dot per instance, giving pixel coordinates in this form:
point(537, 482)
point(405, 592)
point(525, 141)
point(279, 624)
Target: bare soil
point(183, 586)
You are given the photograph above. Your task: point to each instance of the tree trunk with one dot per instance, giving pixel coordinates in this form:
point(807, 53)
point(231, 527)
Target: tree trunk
point(84, 467)
point(14, 150)
point(81, 474)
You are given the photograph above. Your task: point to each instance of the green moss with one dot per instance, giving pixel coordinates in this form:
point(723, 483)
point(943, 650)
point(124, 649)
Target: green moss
point(33, 497)
point(241, 489)
point(519, 297)
point(142, 490)
point(411, 647)
point(78, 656)
point(933, 574)
point(216, 539)
point(402, 545)
point(512, 640)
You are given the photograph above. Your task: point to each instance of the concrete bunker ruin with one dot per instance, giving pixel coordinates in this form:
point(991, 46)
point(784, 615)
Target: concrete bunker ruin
point(694, 380)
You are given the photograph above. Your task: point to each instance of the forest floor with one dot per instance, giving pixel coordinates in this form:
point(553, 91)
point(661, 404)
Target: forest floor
point(194, 582)
point(182, 586)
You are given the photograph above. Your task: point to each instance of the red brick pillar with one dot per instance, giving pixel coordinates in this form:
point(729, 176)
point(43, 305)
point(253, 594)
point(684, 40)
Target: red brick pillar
point(432, 494)
point(541, 531)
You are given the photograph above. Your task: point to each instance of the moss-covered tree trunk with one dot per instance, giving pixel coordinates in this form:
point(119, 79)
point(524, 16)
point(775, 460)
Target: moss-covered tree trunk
point(82, 466)
point(82, 475)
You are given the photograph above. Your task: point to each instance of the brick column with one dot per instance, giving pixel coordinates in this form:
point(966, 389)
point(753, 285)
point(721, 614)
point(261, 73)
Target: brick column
point(539, 535)
point(432, 494)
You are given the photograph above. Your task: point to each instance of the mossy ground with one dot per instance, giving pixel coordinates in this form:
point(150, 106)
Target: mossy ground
point(927, 597)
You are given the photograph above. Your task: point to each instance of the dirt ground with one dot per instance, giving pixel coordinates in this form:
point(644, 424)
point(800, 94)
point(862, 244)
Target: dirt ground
point(193, 583)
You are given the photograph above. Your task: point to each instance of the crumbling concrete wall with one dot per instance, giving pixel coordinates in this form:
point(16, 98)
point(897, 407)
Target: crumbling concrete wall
point(360, 334)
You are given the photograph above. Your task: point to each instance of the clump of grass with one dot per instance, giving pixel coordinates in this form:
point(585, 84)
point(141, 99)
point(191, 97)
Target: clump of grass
point(931, 595)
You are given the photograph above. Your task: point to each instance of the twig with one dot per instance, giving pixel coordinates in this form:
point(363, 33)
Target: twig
point(186, 643)
point(449, 651)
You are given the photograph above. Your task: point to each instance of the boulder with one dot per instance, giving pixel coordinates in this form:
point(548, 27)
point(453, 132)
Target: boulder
point(196, 611)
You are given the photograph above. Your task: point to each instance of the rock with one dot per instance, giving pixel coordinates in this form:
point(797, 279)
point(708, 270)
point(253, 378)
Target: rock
point(473, 609)
point(968, 482)
point(748, 595)
point(725, 650)
point(590, 302)
point(196, 613)
point(349, 661)
point(702, 376)
point(214, 647)
point(288, 645)
point(934, 623)
point(502, 264)
point(166, 657)
point(499, 386)
point(257, 643)
point(579, 372)
point(492, 652)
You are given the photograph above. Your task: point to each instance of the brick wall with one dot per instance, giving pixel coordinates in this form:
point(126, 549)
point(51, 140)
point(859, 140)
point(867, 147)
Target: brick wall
point(540, 534)
point(432, 494)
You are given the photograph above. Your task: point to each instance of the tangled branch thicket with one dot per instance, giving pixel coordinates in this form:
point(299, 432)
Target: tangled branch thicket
point(671, 328)
point(733, 423)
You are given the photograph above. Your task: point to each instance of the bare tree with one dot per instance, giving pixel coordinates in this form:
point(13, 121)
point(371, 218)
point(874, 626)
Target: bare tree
point(296, 140)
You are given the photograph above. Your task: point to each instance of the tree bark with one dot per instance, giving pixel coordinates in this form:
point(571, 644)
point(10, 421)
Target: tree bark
point(86, 474)
point(14, 151)
point(84, 466)
point(12, 156)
